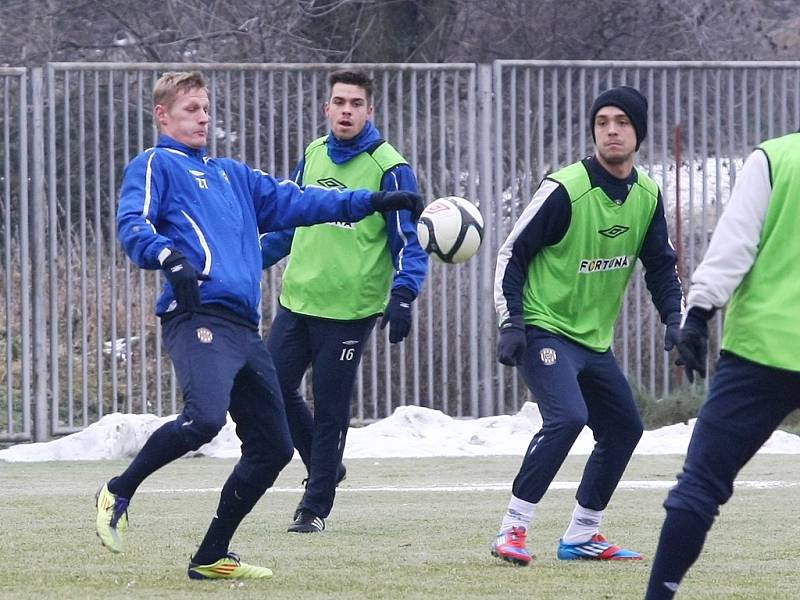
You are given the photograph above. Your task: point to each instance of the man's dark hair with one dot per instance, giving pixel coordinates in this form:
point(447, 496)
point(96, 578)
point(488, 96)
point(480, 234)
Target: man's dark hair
point(350, 77)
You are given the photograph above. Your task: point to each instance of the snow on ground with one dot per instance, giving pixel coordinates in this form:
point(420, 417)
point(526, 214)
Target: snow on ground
point(411, 431)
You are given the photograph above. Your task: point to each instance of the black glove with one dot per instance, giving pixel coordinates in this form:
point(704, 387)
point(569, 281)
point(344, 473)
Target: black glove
point(693, 342)
point(183, 278)
point(398, 314)
point(512, 343)
point(399, 200)
point(673, 331)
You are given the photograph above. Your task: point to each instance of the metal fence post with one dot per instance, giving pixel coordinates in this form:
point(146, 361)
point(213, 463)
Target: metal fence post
point(487, 200)
point(38, 217)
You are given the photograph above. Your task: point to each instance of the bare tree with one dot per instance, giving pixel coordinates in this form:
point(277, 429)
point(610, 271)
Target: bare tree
point(38, 31)
point(629, 30)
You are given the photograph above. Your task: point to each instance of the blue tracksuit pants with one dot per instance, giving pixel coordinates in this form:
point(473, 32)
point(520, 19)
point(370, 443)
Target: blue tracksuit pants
point(745, 404)
point(575, 387)
point(224, 367)
point(333, 349)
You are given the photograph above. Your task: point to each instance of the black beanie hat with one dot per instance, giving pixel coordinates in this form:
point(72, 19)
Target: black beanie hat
point(631, 102)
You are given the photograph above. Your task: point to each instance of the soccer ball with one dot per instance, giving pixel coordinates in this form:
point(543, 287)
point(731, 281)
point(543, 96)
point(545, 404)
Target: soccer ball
point(450, 229)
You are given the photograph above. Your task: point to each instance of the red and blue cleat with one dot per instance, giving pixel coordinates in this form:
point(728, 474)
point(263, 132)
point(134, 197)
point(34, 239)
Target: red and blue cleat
point(510, 546)
point(597, 548)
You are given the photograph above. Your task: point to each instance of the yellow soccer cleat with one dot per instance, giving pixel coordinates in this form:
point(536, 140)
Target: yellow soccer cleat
point(228, 567)
point(112, 518)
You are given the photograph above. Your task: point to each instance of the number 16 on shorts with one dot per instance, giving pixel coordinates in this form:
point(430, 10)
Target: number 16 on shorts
point(349, 351)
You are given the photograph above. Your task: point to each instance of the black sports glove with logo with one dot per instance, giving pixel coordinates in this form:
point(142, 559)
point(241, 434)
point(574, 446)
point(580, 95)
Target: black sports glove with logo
point(183, 278)
point(693, 342)
point(673, 331)
point(398, 314)
point(512, 343)
point(398, 200)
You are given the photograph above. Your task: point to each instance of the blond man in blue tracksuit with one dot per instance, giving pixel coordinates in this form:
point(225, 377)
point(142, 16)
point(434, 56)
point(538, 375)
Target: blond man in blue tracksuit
point(198, 219)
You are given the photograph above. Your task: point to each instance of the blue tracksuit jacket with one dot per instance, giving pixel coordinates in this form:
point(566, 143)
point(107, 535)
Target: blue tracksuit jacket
point(213, 210)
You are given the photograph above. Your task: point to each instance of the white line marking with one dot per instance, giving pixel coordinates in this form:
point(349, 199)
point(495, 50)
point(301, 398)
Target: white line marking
point(479, 487)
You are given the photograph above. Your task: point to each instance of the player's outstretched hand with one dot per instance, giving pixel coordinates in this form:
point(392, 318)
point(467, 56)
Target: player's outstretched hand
point(183, 278)
point(398, 200)
point(398, 314)
point(512, 342)
point(693, 342)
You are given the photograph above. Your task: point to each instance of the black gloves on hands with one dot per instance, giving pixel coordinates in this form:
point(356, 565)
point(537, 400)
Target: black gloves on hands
point(512, 342)
point(398, 314)
point(399, 200)
point(673, 331)
point(693, 342)
point(183, 278)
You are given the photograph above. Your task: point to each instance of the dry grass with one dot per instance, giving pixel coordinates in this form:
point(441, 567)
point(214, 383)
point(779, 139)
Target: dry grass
point(379, 544)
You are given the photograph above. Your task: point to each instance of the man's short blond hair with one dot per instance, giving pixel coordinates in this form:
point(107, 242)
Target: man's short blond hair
point(170, 84)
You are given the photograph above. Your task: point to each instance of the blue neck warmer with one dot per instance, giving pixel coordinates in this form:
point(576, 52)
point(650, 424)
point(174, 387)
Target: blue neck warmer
point(340, 151)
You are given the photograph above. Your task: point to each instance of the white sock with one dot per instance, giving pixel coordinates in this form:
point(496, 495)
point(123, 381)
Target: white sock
point(518, 514)
point(584, 524)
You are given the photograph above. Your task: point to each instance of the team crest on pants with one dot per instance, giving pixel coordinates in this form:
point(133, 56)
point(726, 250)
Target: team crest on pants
point(548, 356)
point(204, 335)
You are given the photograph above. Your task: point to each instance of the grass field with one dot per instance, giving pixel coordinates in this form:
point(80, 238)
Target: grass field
point(390, 535)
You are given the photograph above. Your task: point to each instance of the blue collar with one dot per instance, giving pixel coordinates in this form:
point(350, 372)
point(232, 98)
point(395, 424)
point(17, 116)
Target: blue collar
point(164, 141)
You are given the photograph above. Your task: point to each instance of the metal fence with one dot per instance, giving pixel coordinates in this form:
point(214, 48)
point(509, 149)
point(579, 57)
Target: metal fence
point(81, 339)
point(704, 119)
point(15, 268)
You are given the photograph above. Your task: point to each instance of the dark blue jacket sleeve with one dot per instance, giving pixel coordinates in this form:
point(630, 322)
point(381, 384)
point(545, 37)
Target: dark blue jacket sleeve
point(544, 222)
point(409, 259)
point(297, 174)
point(659, 261)
point(277, 244)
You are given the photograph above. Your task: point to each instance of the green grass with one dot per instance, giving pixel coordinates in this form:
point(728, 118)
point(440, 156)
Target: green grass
point(379, 544)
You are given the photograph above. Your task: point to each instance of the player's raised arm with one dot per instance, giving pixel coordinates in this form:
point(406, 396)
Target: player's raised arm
point(281, 203)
